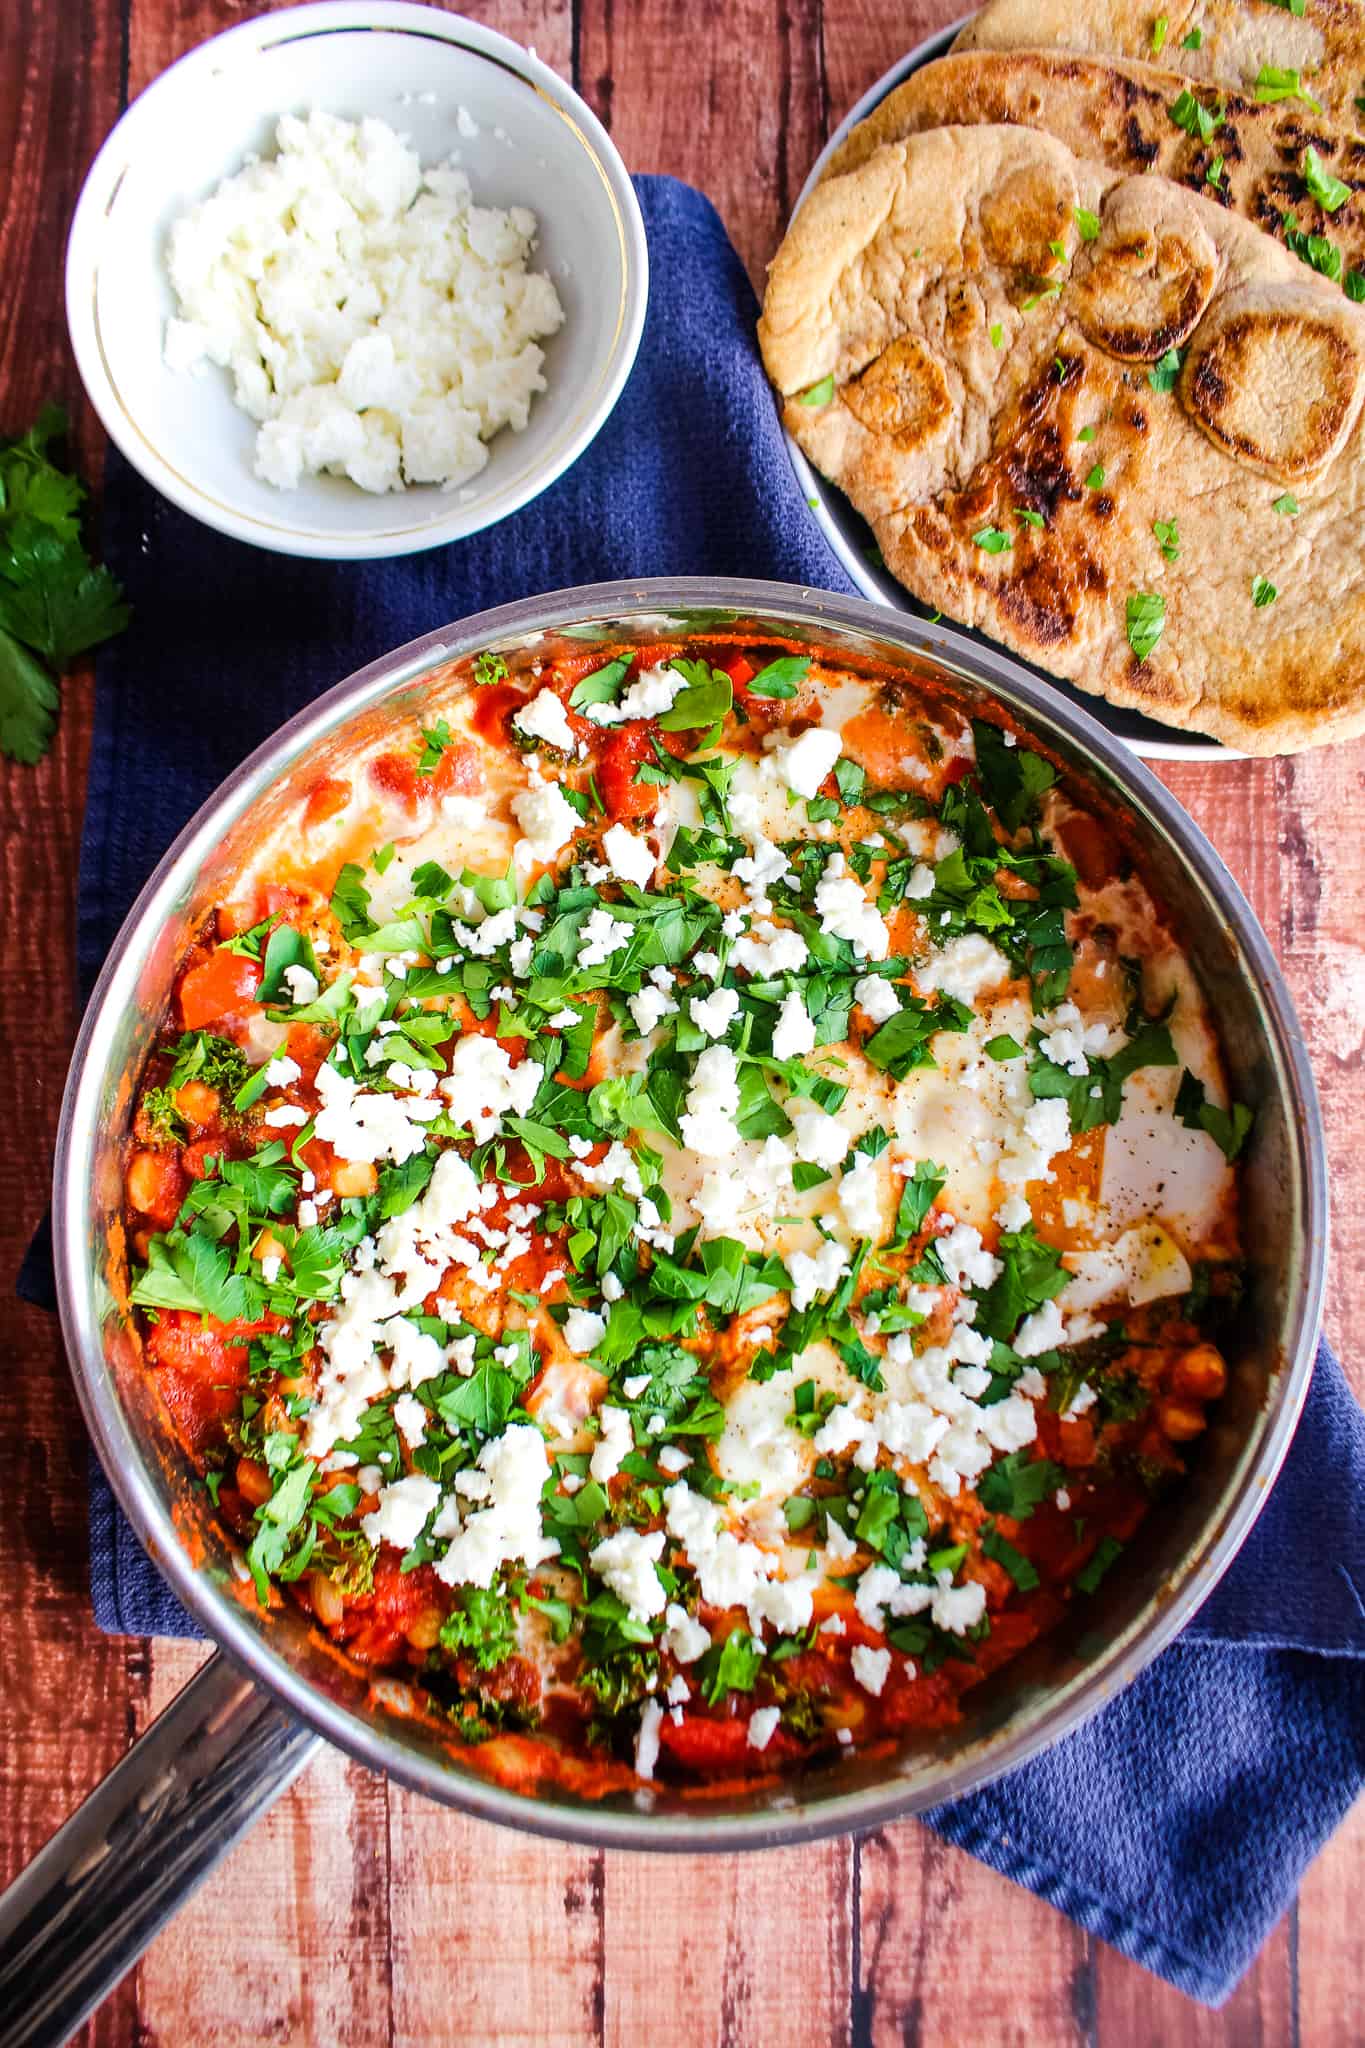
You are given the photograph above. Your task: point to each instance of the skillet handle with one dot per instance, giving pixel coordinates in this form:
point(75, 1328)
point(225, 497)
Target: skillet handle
point(98, 1893)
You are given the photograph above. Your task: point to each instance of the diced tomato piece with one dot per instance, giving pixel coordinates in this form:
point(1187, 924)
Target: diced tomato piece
point(740, 670)
point(309, 1046)
point(222, 986)
point(622, 754)
point(375, 1625)
point(458, 772)
point(201, 1370)
point(715, 1747)
point(194, 1158)
point(396, 775)
point(327, 796)
point(493, 706)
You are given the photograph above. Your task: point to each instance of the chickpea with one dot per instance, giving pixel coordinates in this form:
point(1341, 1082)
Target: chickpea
point(253, 1482)
point(197, 1102)
point(144, 1182)
point(354, 1177)
point(1180, 1420)
point(1200, 1373)
point(329, 1604)
point(267, 1246)
point(425, 1629)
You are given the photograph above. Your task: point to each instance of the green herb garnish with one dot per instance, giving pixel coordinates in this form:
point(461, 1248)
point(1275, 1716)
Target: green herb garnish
point(54, 602)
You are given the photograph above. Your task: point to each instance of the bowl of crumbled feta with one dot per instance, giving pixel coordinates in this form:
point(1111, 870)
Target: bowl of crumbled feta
point(353, 280)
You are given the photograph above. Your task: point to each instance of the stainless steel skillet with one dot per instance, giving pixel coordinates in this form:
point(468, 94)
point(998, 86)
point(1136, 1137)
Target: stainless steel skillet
point(248, 1723)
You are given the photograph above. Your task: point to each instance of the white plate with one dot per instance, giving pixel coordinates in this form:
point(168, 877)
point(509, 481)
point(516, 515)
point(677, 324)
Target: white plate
point(852, 540)
point(537, 144)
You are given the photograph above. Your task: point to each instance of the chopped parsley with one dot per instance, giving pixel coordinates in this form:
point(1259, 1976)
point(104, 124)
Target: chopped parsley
point(1330, 192)
point(817, 394)
point(1145, 621)
point(1263, 592)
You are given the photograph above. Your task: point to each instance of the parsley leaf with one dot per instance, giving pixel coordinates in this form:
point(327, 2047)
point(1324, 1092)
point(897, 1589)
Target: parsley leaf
point(1276, 83)
point(1012, 778)
point(602, 686)
point(1329, 191)
point(1286, 505)
point(1196, 119)
point(780, 677)
point(1167, 536)
point(1087, 224)
point(435, 740)
point(1263, 592)
point(1229, 1128)
point(1016, 1485)
point(1031, 1273)
point(992, 541)
point(1164, 372)
point(54, 602)
point(707, 697)
point(1317, 251)
point(1146, 621)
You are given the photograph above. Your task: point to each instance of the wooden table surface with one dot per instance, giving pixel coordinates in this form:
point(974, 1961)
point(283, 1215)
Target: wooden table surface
point(359, 1914)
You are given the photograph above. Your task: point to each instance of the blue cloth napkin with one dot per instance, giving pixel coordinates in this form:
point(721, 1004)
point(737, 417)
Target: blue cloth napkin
point(1176, 1824)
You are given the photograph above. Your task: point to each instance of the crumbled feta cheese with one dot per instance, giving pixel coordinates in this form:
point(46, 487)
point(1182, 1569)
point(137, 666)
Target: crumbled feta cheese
point(1013, 1213)
point(763, 1724)
point(584, 1330)
point(616, 1442)
point(842, 906)
point(280, 1072)
point(484, 1084)
point(302, 984)
point(708, 1124)
point(631, 858)
point(411, 1419)
point(649, 1007)
point(860, 1199)
point(547, 819)
point(283, 1116)
point(545, 718)
point(377, 322)
point(626, 1561)
point(770, 949)
point(803, 763)
point(1040, 1332)
point(651, 693)
point(715, 1013)
point(647, 1739)
point(820, 1139)
point(509, 1528)
point(601, 935)
point(402, 1512)
point(818, 1274)
point(871, 1668)
point(964, 967)
point(361, 1125)
point(794, 1031)
point(685, 1639)
point(875, 994)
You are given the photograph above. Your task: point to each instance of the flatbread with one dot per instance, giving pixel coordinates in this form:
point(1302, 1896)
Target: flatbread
point(1325, 44)
point(1117, 112)
point(892, 281)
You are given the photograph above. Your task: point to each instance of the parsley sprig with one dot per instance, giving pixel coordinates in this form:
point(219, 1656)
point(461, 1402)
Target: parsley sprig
point(54, 602)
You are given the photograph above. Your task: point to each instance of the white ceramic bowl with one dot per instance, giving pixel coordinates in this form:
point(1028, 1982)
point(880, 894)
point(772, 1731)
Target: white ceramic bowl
point(538, 145)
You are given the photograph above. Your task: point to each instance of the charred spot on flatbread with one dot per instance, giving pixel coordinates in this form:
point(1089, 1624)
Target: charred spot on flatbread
point(1151, 275)
point(903, 394)
point(1275, 381)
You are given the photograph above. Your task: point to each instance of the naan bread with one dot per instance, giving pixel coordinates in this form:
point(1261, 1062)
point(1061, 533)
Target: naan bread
point(1115, 112)
point(1325, 44)
point(891, 281)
